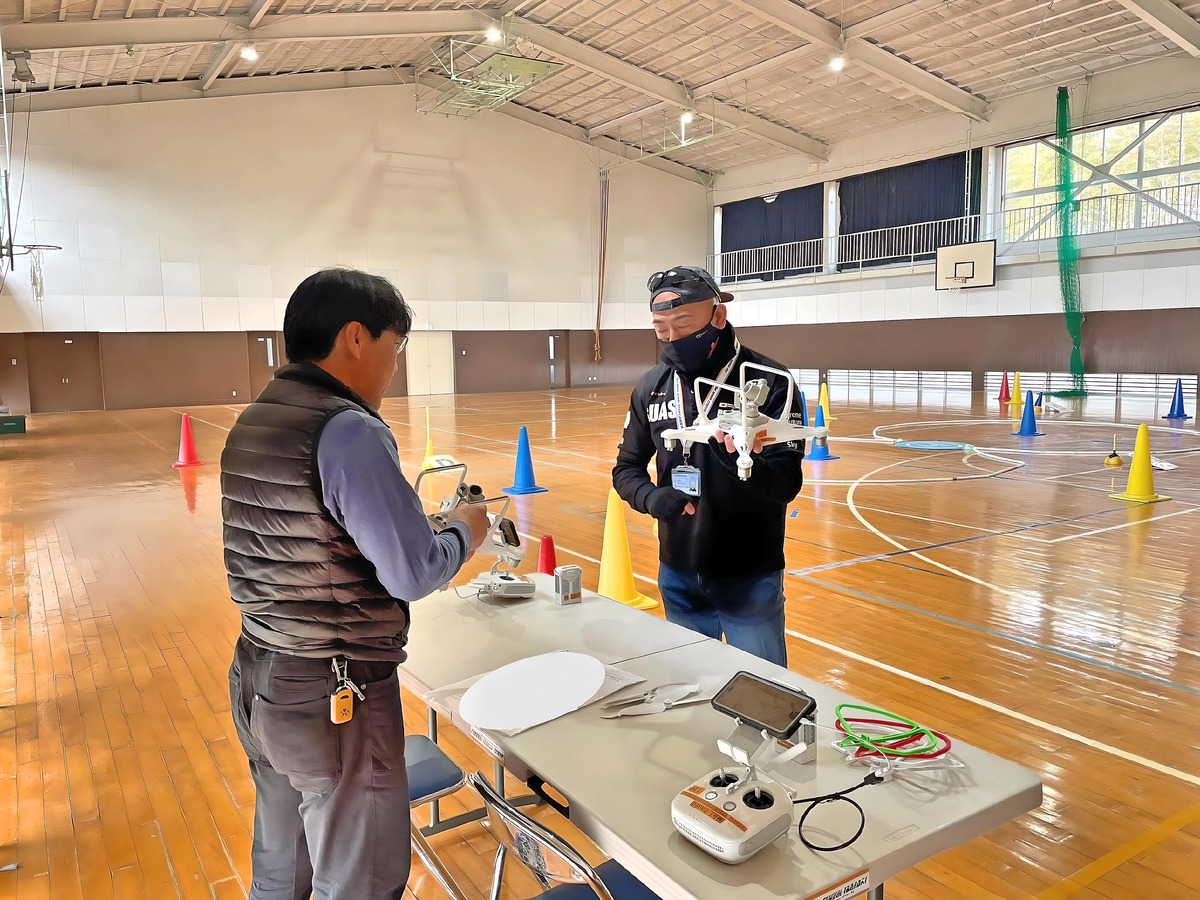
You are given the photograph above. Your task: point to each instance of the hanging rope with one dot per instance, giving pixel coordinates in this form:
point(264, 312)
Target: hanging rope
point(1068, 247)
point(603, 259)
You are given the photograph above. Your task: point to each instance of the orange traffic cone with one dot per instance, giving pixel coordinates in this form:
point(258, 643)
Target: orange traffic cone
point(187, 445)
point(546, 560)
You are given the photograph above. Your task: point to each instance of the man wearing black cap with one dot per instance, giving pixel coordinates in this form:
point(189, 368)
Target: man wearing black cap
point(720, 539)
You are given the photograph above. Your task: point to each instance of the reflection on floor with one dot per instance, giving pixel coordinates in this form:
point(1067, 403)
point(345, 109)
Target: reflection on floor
point(1000, 596)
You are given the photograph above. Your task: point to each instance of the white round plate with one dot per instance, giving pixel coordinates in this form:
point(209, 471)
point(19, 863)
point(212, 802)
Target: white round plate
point(531, 691)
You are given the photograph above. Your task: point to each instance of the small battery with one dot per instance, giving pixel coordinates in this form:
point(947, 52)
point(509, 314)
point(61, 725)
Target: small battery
point(568, 585)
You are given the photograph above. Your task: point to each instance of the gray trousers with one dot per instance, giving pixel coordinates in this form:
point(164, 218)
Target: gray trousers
point(331, 801)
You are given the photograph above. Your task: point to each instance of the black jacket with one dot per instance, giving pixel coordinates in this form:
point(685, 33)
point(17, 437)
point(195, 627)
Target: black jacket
point(299, 581)
point(738, 528)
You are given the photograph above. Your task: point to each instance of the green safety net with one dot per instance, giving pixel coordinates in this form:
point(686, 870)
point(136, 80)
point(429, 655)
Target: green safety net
point(1068, 247)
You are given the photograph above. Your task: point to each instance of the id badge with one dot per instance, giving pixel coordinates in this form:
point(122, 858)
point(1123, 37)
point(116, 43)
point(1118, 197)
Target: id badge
point(686, 479)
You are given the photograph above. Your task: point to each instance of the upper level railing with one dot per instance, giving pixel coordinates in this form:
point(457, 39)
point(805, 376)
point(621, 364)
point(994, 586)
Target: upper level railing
point(1124, 217)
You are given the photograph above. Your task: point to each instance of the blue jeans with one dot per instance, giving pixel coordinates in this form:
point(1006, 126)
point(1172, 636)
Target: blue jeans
point(748, 612)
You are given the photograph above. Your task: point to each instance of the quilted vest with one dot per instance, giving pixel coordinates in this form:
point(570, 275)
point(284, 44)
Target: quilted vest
point(299, 581)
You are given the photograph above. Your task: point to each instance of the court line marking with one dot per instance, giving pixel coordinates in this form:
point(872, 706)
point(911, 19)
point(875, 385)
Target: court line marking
point(1069, 654)
point(916, 554)
point(969, 698)
point(1093, 871)
point(908, 551)
point(1005, 711)
point(198, 419)
point(1072, 537)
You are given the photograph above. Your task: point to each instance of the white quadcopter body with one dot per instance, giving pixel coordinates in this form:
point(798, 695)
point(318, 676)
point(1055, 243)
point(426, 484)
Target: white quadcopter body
point(501, 541)
point(746, 423)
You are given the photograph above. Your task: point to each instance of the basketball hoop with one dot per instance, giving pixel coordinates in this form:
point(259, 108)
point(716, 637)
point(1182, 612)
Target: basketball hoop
point(36, 280)
point(955, 284)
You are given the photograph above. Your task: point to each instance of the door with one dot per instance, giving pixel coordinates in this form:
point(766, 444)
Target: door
point(263, 352)
point(64, 372)
point(559, 373)
point(430, 363)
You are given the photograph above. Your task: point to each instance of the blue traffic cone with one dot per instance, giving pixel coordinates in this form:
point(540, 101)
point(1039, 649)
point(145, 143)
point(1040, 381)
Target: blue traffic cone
point(1037, 406)
point(820, 446)
point(1177, 410)
point(803, 411)
point(1028, 419)
point(523, 482)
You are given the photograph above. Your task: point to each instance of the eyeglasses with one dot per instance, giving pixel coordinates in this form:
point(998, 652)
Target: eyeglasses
point(401, 345)
point(681, 277)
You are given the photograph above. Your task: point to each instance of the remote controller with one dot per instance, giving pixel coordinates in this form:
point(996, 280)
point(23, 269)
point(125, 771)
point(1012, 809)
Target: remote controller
point(731, 817)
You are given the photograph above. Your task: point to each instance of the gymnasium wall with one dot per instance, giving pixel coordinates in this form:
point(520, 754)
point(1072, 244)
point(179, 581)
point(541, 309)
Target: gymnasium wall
point(203, 215)
point(145, 370)
point(1159, 341)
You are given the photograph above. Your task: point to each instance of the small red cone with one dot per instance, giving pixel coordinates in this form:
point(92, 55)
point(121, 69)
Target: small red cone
point(187, 445)
point(1005, 396)
point(546, 560)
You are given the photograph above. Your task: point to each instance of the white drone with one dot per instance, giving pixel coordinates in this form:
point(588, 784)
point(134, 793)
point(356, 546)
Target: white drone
point(745, 423)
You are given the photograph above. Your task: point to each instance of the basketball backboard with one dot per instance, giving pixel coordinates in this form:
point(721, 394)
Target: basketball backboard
point(969, 265)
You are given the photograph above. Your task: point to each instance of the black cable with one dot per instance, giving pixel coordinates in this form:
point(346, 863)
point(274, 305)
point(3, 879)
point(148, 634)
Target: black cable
point(814, 802)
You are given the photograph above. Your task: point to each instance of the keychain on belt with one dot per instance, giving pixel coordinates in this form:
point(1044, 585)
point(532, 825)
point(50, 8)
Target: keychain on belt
point(341, 703)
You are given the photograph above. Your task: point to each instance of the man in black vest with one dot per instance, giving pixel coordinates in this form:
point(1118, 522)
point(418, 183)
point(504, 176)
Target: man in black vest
point(720, 539)
point(326, 544)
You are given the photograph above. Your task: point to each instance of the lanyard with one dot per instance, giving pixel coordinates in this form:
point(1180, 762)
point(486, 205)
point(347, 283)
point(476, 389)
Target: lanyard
point(680, 417)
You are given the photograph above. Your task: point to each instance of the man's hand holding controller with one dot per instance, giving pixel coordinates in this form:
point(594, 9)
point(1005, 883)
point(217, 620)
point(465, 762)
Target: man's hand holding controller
point(476, 518)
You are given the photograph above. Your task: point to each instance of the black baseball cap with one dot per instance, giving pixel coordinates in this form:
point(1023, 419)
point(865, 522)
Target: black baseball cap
point(691, 283)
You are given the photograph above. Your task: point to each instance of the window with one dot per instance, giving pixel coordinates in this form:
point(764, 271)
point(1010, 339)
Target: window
point(1155, 169)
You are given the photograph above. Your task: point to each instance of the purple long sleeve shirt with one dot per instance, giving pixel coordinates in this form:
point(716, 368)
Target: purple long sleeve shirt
point(367, 495)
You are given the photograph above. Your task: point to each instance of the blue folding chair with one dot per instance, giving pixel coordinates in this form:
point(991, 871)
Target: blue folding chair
point(550, 858)
point(431, 775)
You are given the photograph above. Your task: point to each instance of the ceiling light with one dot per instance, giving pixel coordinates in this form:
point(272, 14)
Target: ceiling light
point(687, 117)
point(493, 34)
point(249, 53)
point(770, 198)
point(837, 63)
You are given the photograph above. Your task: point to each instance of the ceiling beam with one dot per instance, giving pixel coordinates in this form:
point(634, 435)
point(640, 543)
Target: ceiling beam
point(226, 50)
point(210, 29)
point(257, 10)
point(122, 94)
point(813, 28)
point(896, 16)
point(1168, 20)
point(662, 89)
point(575, 133)
point(708, 89)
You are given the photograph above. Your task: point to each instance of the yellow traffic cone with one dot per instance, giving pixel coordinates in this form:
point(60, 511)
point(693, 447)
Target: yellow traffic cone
point(1017, 397)
point(823, 403)
point(1140, 488)
point(616, 565)
point(429, 461)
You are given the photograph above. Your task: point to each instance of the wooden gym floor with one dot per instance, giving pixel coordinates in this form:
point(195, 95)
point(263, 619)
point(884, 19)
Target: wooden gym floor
point(1020, 610)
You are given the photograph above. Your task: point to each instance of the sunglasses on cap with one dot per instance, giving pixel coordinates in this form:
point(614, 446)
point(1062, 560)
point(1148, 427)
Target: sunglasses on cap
point(691, 283)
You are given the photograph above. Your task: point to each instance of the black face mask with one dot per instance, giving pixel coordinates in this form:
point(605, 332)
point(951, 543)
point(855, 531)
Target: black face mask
point(691, 354)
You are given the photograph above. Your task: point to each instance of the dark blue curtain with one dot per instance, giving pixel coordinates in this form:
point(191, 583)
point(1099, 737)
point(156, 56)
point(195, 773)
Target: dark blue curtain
point(794, 215)
point(926, 191)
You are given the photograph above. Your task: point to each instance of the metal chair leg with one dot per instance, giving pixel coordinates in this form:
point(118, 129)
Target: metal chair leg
point(434, 865)
point(498, 873)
